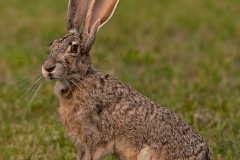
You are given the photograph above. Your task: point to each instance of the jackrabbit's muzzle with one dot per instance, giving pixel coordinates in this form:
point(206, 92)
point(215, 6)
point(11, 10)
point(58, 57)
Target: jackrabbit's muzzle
point(52, 70)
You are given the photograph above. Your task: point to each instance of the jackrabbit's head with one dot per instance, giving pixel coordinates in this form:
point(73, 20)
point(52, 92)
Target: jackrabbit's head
point(69, 55)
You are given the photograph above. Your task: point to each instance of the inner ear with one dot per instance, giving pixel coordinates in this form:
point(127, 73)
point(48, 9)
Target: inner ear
point(99, 12)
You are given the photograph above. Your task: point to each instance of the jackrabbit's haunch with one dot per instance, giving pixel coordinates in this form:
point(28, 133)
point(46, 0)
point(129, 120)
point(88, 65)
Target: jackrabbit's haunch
point(102, 115)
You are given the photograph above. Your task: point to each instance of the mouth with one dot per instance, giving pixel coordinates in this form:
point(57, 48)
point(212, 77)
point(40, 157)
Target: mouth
point(53, 75)
point(50, 76)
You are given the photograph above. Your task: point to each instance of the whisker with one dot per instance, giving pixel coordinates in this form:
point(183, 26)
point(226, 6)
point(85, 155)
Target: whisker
point(35, 93)
point(37, 57)
point(76, 85)
point(22, 79)
point(67, 84)
point(27, 85)
point(21, 62)
point(39, 36)
point(17, 60)
point(27, 91)
point(42, 85)
point(28, 95)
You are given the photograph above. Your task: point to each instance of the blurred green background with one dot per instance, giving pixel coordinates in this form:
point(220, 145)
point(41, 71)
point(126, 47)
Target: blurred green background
point(182, 54)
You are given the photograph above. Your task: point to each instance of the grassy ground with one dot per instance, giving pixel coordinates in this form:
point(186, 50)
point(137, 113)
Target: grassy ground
point(182, 54)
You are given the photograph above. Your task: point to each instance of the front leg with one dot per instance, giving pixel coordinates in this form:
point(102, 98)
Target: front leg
point(103, 150)
point(90, 134)
point(84, 151)
point(88, 140)
point(81, 153)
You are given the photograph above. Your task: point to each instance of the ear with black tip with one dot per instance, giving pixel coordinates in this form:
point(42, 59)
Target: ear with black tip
point(77, 10)
point(99, 12)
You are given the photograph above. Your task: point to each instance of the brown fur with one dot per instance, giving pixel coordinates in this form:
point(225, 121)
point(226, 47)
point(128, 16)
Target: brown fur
point(115, 119)
point(105, 117)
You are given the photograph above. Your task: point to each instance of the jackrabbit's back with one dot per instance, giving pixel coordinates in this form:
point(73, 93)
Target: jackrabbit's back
point(142, 123)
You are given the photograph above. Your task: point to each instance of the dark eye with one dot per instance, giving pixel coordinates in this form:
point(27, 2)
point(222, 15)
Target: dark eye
point(74, 48)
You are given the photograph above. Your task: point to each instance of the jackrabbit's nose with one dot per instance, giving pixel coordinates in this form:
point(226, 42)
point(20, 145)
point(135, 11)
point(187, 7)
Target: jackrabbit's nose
point(49, 66)
point(50, 69)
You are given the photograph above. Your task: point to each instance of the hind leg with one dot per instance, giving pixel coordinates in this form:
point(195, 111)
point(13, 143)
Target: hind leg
point(81, 154)
point(147, 153)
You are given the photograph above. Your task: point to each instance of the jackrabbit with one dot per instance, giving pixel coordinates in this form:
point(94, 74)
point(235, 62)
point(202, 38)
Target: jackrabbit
point(102, 115)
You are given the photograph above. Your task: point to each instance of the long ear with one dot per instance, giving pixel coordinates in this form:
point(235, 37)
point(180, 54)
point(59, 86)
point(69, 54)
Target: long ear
point(77, 10)
point(99, 12)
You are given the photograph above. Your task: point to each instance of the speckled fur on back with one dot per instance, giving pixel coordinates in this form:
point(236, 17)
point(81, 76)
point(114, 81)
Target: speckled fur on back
point(104, 116)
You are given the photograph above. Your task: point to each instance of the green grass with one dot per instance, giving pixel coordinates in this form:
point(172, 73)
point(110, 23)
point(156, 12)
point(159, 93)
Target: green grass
point(182, 54)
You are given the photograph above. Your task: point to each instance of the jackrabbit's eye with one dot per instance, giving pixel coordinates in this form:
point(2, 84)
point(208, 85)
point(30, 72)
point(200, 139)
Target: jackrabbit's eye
point(74, 48)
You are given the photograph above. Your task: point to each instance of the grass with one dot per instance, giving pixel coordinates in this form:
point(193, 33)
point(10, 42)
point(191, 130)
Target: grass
point(182, 54)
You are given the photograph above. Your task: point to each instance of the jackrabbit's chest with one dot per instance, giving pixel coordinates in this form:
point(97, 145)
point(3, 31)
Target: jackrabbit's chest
point(69, 116)
point(79, 121)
